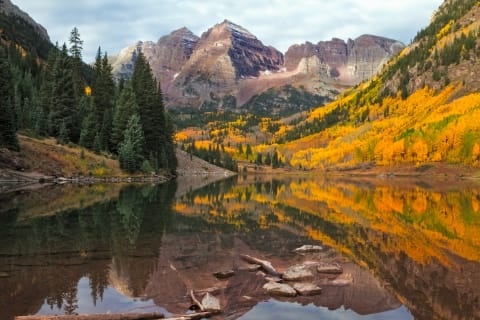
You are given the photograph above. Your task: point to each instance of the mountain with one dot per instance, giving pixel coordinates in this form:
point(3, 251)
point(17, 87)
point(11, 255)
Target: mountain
point(348, 62)
point(422, 110)
point(166, 57)
point(18, 27)
point(228, 66)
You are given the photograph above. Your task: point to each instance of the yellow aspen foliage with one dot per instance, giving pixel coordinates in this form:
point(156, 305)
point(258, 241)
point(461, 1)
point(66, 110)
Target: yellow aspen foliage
point(420, 151)
point(445, 30)
point(476, 155)
point(420, 203)
point(88, 91)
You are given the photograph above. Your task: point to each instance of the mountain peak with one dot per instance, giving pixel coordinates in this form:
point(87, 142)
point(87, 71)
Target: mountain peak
point(234, 28)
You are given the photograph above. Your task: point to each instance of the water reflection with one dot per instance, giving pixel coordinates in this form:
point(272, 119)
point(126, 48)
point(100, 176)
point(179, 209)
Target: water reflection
point(400, 240)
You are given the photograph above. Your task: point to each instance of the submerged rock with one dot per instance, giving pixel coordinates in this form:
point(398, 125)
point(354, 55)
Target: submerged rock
point(279, 289)
point(330, 268)
point(273, 279)
point(308, 248)
point(298, 273)
point(307, 289)
point(254, 267)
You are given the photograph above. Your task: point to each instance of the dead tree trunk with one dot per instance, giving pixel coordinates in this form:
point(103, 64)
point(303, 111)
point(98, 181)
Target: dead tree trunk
point(266, 265)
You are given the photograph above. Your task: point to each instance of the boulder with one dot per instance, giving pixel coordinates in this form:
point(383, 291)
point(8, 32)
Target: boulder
point(224, 274)
point(307, 289)
point(279, 289)
point(210, 303)
point(329, 268)
point(308, 249)
point(297, 273)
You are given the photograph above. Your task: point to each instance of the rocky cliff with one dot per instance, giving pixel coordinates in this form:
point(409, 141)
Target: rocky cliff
point(228, 65)
point(348, 62)
point(166, 57)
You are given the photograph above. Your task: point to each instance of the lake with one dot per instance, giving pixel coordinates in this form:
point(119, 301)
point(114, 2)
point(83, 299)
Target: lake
point(410, 249)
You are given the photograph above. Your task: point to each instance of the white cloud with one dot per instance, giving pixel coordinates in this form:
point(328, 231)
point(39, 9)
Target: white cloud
point(114, 24)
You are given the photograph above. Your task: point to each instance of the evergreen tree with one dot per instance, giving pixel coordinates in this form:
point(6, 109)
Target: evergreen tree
point(158, 133)
point(248, 151)
point(103, 86)
point(89, 123)
point(258, 160)
point(62, 137)
point(268, 159)
point(63, 111)
point(131, 148)
point(76, 51)
point(126, 107)
point(106, 130)
point(8, 136)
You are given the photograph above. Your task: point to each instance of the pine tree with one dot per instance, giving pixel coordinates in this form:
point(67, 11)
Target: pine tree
point(8, 136)
point(76, 51)
point(62, 137)
point(131, 149)
point(103, 86)
point(89, 123)
point(126, 107)
point(106, 130)
point(63, 111)
point(158, 133)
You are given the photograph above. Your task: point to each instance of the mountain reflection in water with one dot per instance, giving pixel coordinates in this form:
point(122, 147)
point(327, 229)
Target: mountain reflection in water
point(141, 248)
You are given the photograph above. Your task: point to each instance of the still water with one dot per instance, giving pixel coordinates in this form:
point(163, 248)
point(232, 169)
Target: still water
point(410, 249)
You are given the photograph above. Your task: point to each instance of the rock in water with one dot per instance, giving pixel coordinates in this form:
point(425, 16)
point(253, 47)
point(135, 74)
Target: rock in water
point(298, 273)
point(210, 303)
point(343, 280)
point(273, 279)
point(308, 248)
point(254, 267)
point(279, 289)
point(330, 268)
point(224, 274)
point(307, 289)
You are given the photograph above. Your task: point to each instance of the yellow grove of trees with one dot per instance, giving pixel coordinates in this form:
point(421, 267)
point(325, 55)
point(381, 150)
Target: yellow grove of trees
point(425, 127)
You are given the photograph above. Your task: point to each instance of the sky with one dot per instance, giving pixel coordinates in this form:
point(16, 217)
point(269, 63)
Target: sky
point(116, 24)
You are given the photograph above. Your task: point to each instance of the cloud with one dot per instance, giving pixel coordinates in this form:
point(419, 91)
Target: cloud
point(115, 24)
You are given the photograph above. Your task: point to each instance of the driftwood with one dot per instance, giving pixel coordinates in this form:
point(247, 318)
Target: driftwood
point(196, 302)
point(103, 316)
point(266, 265)
point(193, 316)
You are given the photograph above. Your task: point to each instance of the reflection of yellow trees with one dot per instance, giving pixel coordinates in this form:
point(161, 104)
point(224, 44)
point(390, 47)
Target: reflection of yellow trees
point(421, 223)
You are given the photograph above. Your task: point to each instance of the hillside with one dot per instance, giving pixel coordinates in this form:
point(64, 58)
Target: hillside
point(18, 28)
point(421, 108)
point(44, 159)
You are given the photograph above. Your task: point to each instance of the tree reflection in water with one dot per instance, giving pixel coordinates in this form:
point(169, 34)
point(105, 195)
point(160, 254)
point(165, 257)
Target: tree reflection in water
point(420, 240)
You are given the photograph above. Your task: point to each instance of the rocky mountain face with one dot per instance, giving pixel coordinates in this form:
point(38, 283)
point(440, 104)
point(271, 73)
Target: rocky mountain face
point(9, 9)
point(166, 57)
point(349, 62)
point(228, 65)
